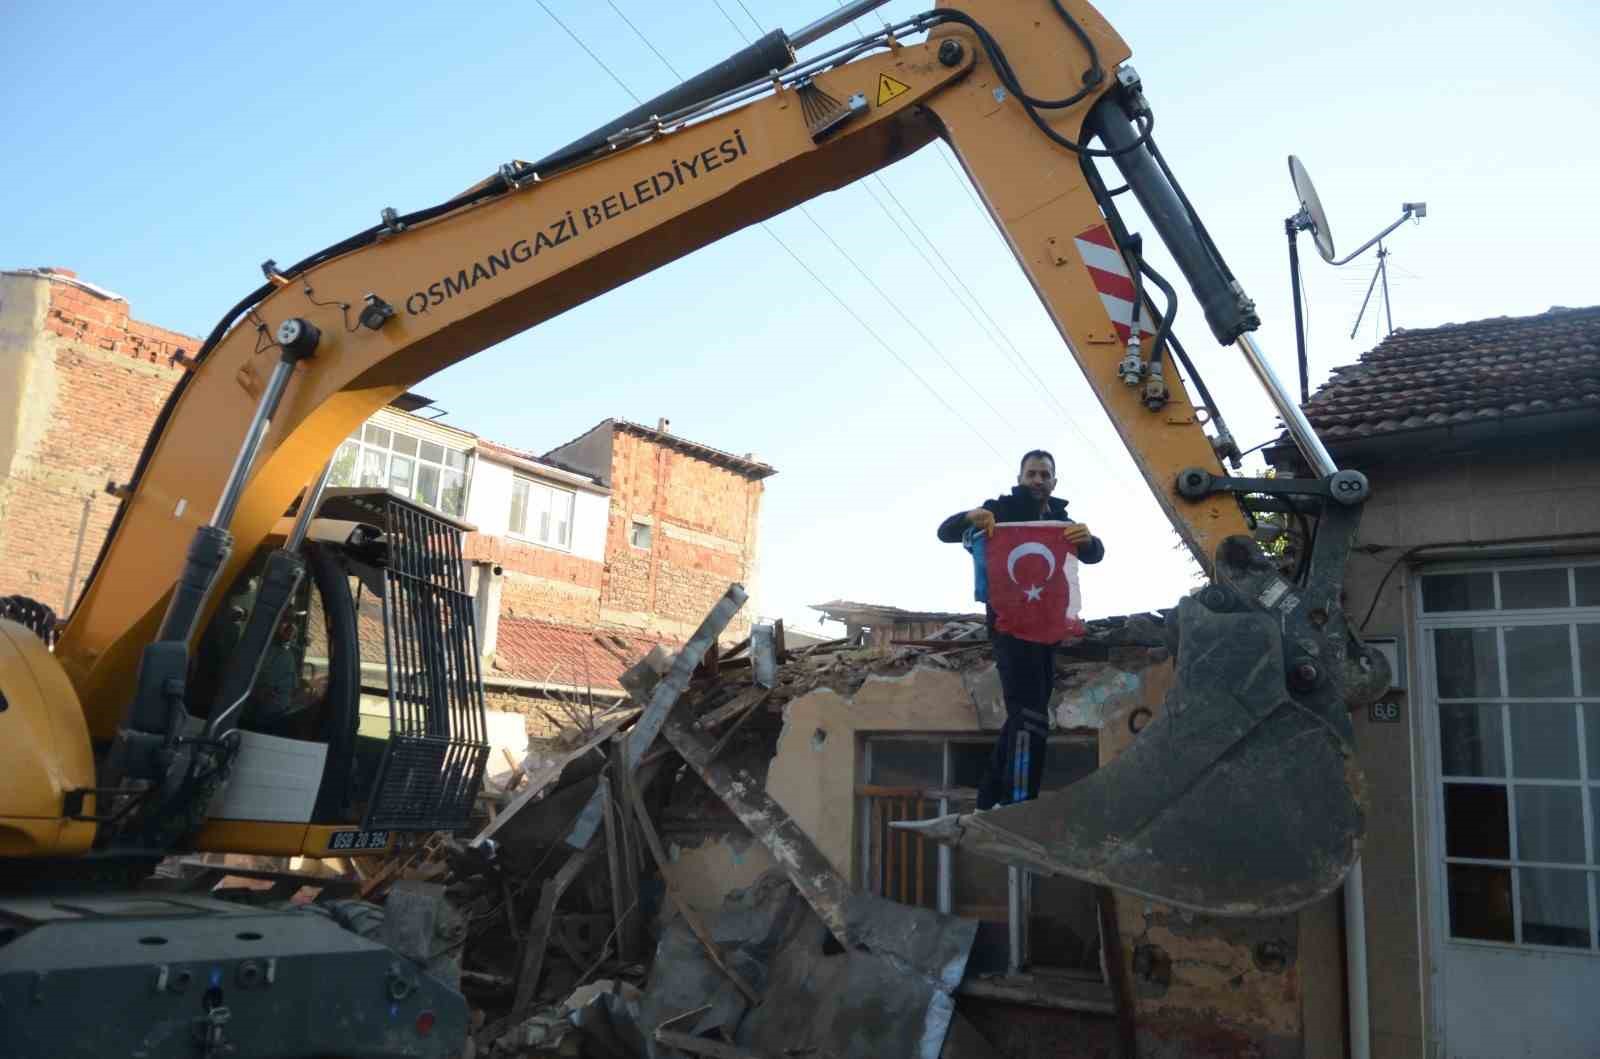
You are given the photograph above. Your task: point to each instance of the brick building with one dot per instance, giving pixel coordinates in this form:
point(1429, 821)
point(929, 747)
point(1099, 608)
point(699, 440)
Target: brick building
point(80, 384)
point(628, 531)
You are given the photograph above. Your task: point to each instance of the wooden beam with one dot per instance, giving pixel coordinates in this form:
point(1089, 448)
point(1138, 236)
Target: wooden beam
point(690, 916)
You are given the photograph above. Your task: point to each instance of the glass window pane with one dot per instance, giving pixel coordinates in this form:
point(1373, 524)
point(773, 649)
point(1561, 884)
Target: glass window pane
point(1470, 739)
point(1467, 662)
point(1588, 584)
point(1538, 660)
point(978, 888)
point(906, 763)
point(1533, 589)
point(454, 459)
point(519, 506)
point(1063, 924)
point(1550, 824)
point(1480, 902)
point(1475, 823)
point(1591, 736)
point(1068, 761)
point(400, 475)
point(405, 444)
point(432, 452)
point(561, 508)
point(969, 761)
point(1442, 592)
point(1589, 658)
point(1555, 907)
point(374, 468)
point(427, 485)
point(1544, 740)
point(453, 492)
point(344, 464)
point(376, 435)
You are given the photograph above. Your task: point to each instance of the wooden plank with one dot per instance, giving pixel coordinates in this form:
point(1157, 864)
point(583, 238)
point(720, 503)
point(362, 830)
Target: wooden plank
point(666, 693)
point(1116, 972)
point(903, 810)
point(543, 777)
point(922, 852)
point(733, 729)
point(623, 836)
point(537, 941)
point(690, 916)
point(745, 700)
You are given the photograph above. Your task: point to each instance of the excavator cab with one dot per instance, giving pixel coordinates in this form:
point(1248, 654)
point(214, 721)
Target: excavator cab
point(367, 710)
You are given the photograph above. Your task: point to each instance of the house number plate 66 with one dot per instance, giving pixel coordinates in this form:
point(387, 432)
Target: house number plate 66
point(1384, 713)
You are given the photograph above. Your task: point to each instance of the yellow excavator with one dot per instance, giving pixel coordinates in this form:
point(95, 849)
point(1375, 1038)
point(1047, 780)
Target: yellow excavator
point(203, 694)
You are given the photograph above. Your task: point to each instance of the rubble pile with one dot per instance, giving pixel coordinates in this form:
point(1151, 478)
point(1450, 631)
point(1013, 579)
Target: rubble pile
point(578, 940)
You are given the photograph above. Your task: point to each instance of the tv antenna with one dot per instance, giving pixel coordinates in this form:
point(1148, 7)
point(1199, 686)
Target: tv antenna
point(1312, 218)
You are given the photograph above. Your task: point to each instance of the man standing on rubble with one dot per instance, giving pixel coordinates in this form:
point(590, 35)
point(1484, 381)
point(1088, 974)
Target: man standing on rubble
point(1027, 670)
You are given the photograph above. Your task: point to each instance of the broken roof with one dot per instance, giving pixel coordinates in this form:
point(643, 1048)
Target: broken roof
point(1483, 373)
point(543, 652)
point(853, 613)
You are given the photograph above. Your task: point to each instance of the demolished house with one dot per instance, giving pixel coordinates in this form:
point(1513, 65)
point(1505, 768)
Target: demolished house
point(711, 870)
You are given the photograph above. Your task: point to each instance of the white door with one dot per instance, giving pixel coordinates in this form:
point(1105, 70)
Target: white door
point(1511, 709)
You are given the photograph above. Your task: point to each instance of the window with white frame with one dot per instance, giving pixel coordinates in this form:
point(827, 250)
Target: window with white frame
point(425, 471)
point(1512, 670)
point(541, 512)
point(923, 776)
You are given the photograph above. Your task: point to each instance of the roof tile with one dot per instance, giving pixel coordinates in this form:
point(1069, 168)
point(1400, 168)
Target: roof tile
point(1485, 369)
point(546, 653)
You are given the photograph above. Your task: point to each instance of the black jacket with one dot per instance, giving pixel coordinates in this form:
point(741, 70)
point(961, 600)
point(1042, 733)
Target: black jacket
point(1020, 506)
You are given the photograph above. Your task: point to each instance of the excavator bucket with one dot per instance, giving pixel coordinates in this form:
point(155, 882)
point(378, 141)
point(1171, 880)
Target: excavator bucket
point(1243, 797)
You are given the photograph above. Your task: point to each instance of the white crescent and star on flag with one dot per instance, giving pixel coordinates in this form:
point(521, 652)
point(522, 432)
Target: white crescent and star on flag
point(1033, 592)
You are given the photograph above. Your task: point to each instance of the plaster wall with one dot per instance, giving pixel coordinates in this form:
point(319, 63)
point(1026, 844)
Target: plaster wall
point(1545, 489)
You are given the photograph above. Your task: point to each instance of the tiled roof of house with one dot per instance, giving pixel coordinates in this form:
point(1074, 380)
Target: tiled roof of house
point(546, 653)
point(1463, 373)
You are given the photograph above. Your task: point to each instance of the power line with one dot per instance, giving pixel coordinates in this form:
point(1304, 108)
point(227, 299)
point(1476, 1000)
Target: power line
point(870, 281)
point(1014, 356)
point(736, 27)
point(752, 18)
point(576, 40)
point(888, 348)
point(641, 36)
point(820, 282)
point(966, 185)
point(902, 313)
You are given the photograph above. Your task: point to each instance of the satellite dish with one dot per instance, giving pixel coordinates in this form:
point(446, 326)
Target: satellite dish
point(1313, 208)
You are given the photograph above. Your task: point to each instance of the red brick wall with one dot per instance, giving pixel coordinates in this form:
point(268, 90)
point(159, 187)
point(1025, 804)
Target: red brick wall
point(676, 580)
point(105, 377)
point(541, 582)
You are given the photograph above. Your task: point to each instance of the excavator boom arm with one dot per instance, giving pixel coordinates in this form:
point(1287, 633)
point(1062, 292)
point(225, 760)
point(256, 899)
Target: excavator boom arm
point(477, 275)
point(1017, 89)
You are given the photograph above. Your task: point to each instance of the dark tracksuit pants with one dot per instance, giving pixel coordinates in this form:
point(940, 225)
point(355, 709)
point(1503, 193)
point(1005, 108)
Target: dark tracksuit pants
point(1027, 676)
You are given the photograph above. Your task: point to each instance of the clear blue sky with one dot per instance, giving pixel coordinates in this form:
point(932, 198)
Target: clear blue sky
point(165, 150)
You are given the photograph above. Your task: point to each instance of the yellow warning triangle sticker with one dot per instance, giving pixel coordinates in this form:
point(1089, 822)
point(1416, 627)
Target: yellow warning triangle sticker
point(888, 88)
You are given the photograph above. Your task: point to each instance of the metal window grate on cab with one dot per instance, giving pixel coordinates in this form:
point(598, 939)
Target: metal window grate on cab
point(438, 744)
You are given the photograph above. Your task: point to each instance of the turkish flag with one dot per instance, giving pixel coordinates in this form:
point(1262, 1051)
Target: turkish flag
point(1033, 581)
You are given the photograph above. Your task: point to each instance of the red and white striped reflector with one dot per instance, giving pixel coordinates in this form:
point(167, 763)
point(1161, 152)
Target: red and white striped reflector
point(1109, 271)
